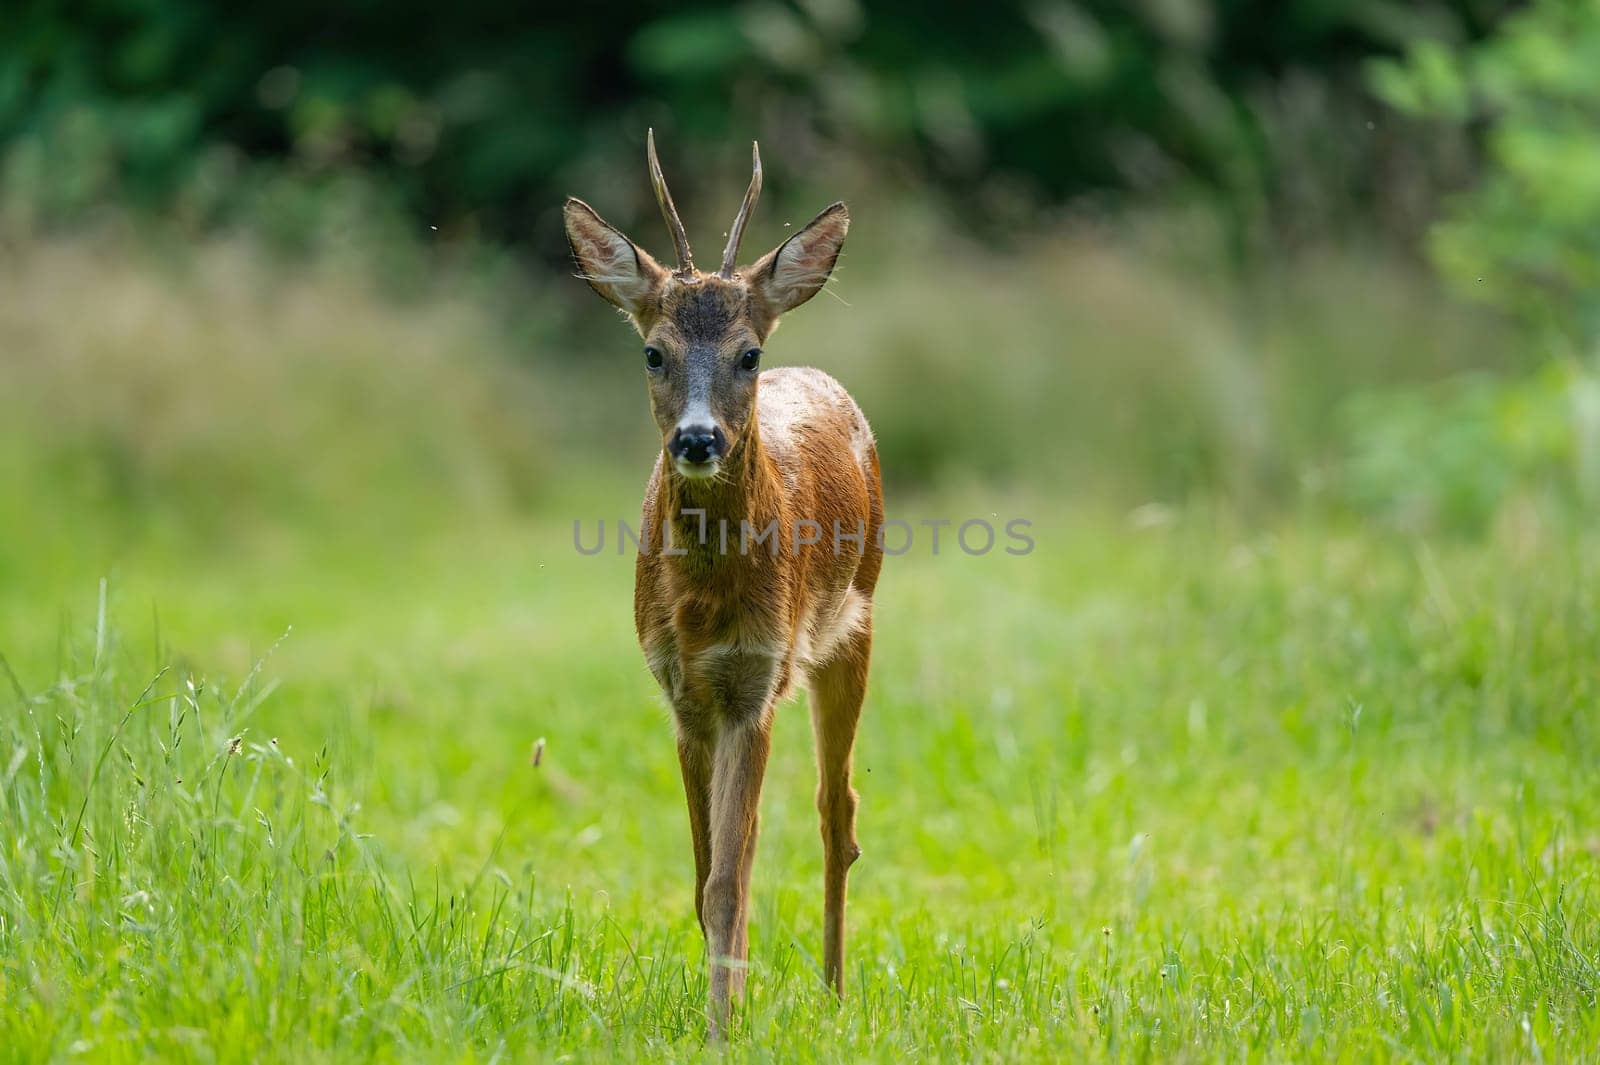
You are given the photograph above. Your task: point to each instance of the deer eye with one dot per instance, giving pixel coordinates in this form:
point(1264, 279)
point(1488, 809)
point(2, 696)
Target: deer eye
point(750, 359)
point(652, 358)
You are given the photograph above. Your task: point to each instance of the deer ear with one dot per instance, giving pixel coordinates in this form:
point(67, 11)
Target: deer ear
point(796, 270)
point(614, 266)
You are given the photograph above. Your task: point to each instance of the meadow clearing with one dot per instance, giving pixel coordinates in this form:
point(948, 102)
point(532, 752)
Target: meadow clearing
point(1191, 781)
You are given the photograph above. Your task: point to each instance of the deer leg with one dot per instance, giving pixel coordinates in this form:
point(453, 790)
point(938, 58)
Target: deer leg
point(738, 765)
point(694, 758)
point(837, 690)
point(741, 925)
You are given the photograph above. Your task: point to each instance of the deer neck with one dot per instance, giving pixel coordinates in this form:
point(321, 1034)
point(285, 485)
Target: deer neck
point(745, 493)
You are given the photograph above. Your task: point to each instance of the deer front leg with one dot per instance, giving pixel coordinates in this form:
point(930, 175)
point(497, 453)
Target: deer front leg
point(738, 766)
point(741, 925)
point(694, 758)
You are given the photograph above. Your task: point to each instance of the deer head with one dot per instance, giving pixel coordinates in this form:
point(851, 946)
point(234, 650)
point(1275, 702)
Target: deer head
point(703, 332)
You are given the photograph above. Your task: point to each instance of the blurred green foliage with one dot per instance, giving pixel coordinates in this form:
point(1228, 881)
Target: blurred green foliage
point(475, 117)
point(217, 394)
point(1108, 351)
point(1523, 238)
point(1467, 452)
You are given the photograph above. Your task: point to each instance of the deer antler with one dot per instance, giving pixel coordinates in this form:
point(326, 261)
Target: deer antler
point(675, 224)
point(751, 195)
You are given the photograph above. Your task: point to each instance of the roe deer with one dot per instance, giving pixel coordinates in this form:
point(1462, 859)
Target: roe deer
point(782, 463)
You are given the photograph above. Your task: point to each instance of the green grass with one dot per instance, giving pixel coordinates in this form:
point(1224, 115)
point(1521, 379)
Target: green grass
point(1180, 784)
point(1180, 789)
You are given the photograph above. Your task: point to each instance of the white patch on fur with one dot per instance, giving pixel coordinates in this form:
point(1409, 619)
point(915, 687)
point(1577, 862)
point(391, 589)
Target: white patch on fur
point(793, 398)
point(715, 654)
point(716, 651)
point(861, 441)
point(820, 639)
point(703, 471)
point(665, 666)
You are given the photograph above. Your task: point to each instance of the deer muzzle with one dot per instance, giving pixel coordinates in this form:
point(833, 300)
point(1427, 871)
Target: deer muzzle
point(697, 449)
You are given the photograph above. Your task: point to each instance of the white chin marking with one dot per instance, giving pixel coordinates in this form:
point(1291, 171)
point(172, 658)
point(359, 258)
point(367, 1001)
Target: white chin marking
point(703, 471)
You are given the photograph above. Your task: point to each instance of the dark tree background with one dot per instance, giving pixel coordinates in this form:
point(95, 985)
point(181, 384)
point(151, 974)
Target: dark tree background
point(480, 112)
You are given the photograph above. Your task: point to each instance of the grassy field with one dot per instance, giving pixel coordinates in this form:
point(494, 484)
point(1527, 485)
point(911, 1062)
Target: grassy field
point(1170, 787)
point(288, 597)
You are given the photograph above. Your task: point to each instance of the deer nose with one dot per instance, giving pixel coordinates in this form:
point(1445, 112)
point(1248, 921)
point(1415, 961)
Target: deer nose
point(697, 443)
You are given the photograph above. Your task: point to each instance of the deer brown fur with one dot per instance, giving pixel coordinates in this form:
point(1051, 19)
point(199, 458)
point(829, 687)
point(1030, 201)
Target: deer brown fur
point(761, 551)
